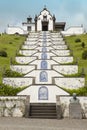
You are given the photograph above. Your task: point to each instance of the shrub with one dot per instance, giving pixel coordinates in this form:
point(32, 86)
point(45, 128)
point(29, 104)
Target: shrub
point(78, 40)
point(9, 91)
point(16, 38)
point(9, 73)
point(83, 45)
point(10, 42)
point(16, 33)
point(84, 55)
point(3, 53)
point(80, 91)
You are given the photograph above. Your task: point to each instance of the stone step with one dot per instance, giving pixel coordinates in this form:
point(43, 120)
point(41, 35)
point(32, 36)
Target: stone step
point(41, 110)
point(44, 117)
point(46, 110)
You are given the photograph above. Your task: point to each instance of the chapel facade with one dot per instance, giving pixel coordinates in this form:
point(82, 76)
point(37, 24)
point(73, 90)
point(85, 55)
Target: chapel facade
point(45, 21)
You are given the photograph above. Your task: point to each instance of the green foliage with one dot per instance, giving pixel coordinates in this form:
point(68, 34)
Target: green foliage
point(78, 40)
point(77, 51)
point(3, 53)
point(84, 55)
point(17, 38)
point(9, 91)
point(73, 75)
point(12, 44)
point(9, 73)
point(79, 92)
point(83, 45)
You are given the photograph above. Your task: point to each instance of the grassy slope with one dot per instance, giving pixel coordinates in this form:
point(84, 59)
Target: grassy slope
point(16, 41)
point(9, 43)
point(77, 50)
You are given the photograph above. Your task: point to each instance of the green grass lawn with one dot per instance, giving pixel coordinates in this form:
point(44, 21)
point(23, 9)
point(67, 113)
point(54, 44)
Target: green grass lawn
point(10, 44)
point(78, 50)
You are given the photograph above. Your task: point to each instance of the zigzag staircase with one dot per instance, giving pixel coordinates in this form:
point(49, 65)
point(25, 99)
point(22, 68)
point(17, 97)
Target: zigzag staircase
point(44, 61)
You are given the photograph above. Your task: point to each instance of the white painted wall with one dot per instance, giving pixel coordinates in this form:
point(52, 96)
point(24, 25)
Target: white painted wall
point(13, 30)
point(60, 47)
point(53, 47)
point(25, 60)
point(40, 18)
point(58, 42)
point(57, 39)
point(63, 60)
point(23, 69)
point(30, 42)
point(66, 69)
point(31, 39)
point(38, 63)
point(33, 92)
point(73, 31)
point(27, 52)
point(33, 27)
point(28, 47)
point(50, 74)
point(61, 52)
point(18, 82)
point(48, 55)
point(70, 83)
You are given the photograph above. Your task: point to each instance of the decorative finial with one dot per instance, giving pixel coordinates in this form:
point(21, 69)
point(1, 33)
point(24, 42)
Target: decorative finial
point(44, 6)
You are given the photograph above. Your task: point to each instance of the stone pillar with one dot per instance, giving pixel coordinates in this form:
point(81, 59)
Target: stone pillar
point(58, 108)
point(35, 22)
point(75, 110)
point(27, 107)
point(54, 19)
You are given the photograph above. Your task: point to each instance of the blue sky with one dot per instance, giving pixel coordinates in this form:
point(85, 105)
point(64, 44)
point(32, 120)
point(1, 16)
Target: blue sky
point(14, 12)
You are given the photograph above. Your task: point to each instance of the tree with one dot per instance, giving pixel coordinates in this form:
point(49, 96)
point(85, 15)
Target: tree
point(83, 45)
point(84, 55)
point(78, 40)
point(3, 53)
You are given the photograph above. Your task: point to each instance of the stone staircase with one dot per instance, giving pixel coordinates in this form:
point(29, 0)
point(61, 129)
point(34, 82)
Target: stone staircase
point(44, 61)
point(40, 110)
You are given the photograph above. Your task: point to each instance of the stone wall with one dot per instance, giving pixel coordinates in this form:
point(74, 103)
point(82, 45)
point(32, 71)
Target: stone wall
point(18, 106)
point(12, 106)
point(65, 101)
